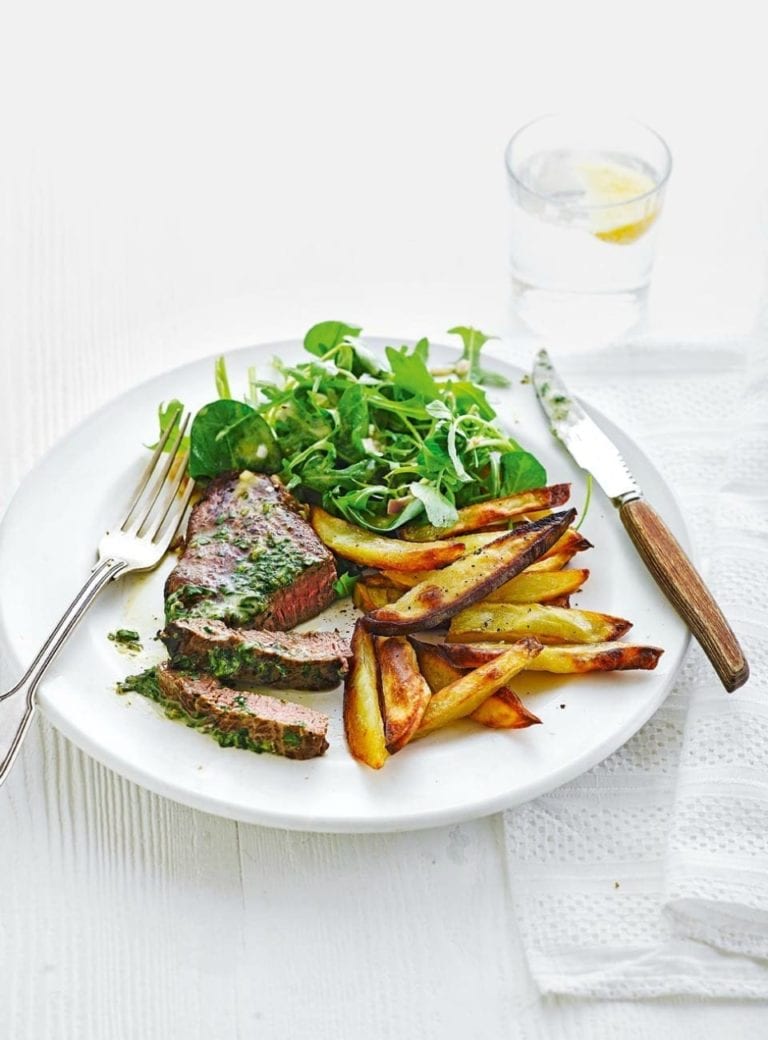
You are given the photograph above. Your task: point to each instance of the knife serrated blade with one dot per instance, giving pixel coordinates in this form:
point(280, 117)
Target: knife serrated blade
point(663, 556)
point(581, 435)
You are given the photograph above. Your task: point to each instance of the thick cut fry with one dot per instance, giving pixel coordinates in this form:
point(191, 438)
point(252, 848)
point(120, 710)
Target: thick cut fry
point(407, 579)
point(548, 563)
point(538, 588)
point(435, 666)
point(563, 660)
point(465, 695)
point(486, 514)
point(379, 578)
point(368, 597)
point(404, 690)
point(375, 550)
point(363, 724)
point(507, 621)
point(502, 710)
point(470, 578)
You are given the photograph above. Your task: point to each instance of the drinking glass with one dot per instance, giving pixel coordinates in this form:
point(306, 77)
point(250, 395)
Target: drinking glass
point(586, 197)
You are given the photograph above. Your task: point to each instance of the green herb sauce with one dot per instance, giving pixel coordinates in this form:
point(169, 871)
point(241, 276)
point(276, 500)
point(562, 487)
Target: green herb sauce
point(126, 639)
point(148, 685)
point(271, 565)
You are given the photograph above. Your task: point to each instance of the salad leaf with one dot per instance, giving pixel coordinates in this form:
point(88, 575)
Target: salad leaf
point(327, 335)
point(222, 379)
point(473, 341)
point(411, 373)
point(344, 584)
point(440, 511)
point(353, 417)
point(170, 415)
point(520, 471)
point(229, 435)
point(380, 444)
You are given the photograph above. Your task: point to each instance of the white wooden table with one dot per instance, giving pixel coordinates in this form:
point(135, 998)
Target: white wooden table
point(177, 182)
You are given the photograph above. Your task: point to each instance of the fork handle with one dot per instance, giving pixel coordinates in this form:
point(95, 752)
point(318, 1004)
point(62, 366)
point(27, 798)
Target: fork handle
point(16, 716)
point(685, 589)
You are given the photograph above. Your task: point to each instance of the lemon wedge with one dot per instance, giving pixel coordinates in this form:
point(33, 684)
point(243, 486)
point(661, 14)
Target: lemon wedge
point(623, 200)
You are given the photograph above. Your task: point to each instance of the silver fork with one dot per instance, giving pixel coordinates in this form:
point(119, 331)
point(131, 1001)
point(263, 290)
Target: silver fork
point(155, 513)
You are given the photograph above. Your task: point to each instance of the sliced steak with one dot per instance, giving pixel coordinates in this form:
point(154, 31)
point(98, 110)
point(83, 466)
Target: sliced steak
point(251, 559)
point(248, 720)
point(286, 660)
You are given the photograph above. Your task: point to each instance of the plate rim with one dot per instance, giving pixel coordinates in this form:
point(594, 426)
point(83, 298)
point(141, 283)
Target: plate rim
point(267, 816)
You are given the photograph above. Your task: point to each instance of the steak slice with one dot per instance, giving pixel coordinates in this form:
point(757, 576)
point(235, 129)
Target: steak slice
point(250, 559)
point(253, 721)
point(286, 660)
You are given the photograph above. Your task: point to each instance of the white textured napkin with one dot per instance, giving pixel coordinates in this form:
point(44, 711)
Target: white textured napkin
point(648, 876)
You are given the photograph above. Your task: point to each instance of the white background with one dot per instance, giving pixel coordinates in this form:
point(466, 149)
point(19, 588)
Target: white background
point(182, 178)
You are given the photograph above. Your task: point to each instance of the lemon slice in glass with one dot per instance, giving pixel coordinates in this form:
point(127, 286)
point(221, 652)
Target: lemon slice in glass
point(621, 199)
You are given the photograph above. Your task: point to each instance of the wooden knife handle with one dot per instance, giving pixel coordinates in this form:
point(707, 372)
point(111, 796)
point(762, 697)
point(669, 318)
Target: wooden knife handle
point(684, 588)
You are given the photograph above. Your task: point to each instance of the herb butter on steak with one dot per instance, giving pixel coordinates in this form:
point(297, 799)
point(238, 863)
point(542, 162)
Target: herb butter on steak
point(250, 559)
point(285, 660)
point(252, 721)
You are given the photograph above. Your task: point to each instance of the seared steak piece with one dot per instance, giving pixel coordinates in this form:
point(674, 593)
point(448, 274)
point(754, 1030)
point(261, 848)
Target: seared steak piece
point(250, 559)
point(247, 720)
point(286, 660)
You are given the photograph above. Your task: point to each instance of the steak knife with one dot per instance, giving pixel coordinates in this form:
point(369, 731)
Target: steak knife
point(659, 549)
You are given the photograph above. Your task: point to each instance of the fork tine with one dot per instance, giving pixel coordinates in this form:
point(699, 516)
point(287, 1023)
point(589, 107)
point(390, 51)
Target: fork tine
point(173, 486)
point(157, 488)
point(147, 474)
point(177, 520)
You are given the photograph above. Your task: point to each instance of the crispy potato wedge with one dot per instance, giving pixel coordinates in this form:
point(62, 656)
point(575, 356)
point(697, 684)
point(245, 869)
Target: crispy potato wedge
point(504, 622)
point(538, 588)
point(404, 690)
point(486, 514)
point(562, 660)
point(363, 724)
point(379, 578)
point(435, 666)
point(469, 579)
point(368, 597)
point(548, 563)
point(502, 710)
point(375, 550)
point(465, 695)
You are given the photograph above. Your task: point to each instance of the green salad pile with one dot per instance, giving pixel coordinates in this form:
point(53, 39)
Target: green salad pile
point(380, 445)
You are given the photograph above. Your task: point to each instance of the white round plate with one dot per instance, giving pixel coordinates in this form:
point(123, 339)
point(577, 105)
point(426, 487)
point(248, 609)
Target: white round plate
point(47, 545)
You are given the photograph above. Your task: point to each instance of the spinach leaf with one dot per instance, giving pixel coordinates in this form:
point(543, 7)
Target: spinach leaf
point(327, 335)
point(229, 435)
point(473, 341)
point(520, 471)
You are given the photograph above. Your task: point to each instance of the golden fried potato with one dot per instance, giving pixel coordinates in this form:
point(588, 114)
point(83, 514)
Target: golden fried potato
point(487, 514)
point(375, 550)
point(496, 622)
point(502, 710)
point(469, 579)
point(563, 660)
point(538, 588)
point(368, 597)
point(404, 690)
point(363, 724)
point(463, 696)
